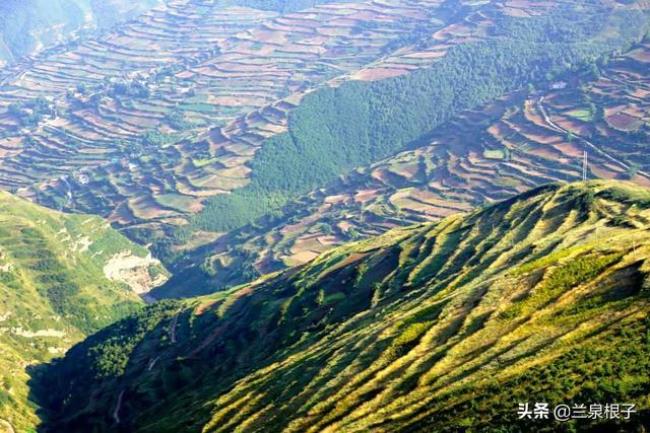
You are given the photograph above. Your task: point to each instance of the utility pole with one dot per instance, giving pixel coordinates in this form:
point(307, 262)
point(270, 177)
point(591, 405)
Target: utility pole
point(585, 166)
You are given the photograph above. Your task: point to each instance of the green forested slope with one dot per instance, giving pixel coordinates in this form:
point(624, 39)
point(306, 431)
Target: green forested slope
point(336, 129)
point(55, 289)
point(440, 327)
point(452, 170)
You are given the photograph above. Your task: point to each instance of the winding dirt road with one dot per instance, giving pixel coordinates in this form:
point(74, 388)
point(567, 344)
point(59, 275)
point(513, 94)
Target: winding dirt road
point(116, 412)
point(172, 328)
point(589, 144)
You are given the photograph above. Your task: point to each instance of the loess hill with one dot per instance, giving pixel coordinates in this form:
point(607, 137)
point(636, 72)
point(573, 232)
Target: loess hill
point(195, 119)
point(147, 135)
point(514, 143)
point(437, 327)
point(207, 115)
point(62, 277)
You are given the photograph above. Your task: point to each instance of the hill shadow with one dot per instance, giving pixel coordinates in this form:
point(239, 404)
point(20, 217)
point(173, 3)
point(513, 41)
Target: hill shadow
point(39, 391)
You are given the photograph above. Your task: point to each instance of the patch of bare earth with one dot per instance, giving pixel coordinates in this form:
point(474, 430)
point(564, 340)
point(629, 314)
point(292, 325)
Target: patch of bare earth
point(134, 271)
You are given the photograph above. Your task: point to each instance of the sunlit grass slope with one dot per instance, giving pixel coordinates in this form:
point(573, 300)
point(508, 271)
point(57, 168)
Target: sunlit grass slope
point(437, 328)
point(53, 291)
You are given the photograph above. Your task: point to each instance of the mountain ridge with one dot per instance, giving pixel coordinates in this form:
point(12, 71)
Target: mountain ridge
point(404, 333)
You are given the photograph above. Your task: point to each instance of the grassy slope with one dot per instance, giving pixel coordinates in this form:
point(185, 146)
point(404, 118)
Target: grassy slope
point(439, 327)
point(52, 291)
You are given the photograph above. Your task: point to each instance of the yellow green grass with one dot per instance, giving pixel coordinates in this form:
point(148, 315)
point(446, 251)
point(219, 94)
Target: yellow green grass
point(439, 327)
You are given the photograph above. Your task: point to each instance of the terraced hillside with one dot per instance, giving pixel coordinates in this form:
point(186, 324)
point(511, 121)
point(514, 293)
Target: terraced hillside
point(144, 124)
point(439, 327)
point(28, 27)
point(520, 141)
point(62, 277)
point(173, 75)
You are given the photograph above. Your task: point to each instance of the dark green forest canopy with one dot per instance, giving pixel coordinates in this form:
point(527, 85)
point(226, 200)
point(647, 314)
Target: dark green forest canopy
point(337, 129)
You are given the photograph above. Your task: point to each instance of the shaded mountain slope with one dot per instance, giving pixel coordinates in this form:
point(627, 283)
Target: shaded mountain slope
point(61, 277)
point(29, 26)
point(439, 327)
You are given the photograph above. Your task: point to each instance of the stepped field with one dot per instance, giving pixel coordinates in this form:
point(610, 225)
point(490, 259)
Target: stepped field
point(145, 135)
point(442, 327)
point(62, 277)
point(148, 123)
point(28, 27)
point(514, 143)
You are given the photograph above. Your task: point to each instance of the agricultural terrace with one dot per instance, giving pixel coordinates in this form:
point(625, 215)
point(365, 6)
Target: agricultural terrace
point(485, 155)
point(196, 96)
